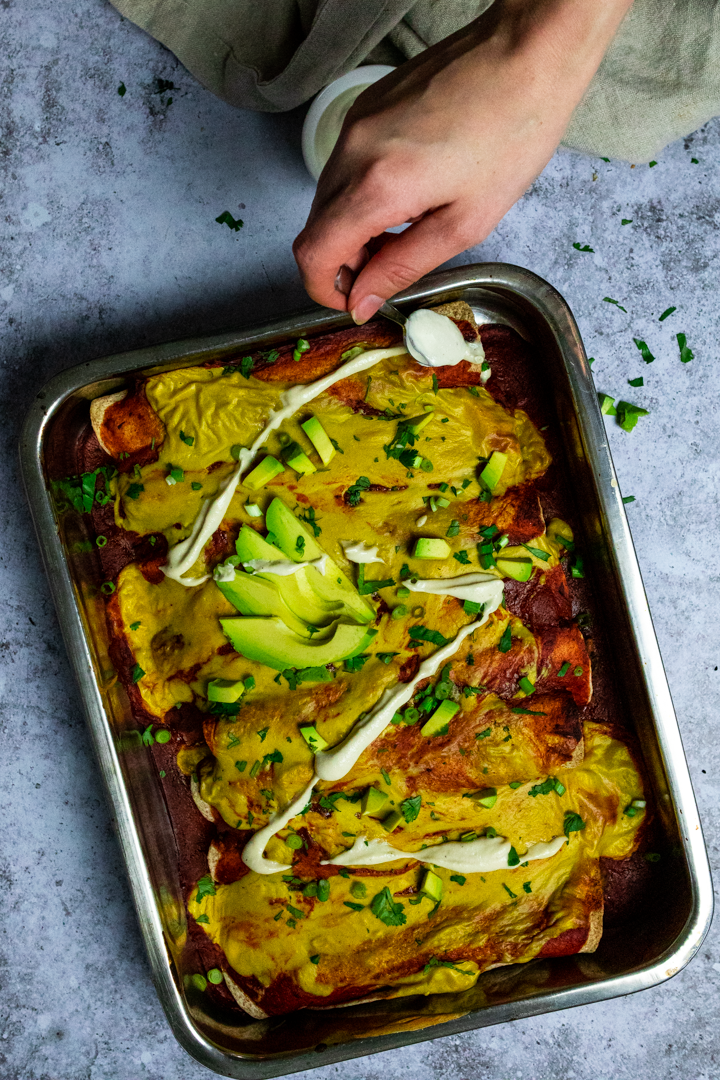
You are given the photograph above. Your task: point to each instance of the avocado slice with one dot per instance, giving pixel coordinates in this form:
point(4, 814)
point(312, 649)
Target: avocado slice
point(373, 800)
point(250, 545)
point(299, 595)
point(263, 473)
point(330, 587)
point(256, 594)
point(517, 569)
point(269, 641)
point(432, 886)
point(320, 439)
point(438, 722)
point(490, 476)
point(431, 548)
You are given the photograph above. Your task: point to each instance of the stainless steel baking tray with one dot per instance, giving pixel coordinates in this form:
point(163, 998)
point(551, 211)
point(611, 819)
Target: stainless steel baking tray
point(654, 947)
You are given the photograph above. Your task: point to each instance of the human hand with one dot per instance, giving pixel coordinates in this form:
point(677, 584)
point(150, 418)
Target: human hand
point(449, 142)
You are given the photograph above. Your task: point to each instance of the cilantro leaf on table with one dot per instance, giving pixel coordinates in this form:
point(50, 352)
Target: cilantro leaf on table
point(226, 218)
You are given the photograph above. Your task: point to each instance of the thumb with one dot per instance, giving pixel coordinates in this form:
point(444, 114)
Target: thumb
point(406, 256)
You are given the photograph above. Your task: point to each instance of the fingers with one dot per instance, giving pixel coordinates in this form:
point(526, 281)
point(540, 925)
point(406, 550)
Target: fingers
point(405, 257)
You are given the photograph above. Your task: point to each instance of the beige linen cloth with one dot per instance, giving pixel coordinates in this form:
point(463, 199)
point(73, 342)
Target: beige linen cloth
point(660, 79)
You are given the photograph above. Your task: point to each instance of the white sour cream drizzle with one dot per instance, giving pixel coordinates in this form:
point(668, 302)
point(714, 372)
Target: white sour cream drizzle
point(434, 340)
point(283, 567)
point(187, 551)
point(480, 588)
point(332, 765)
point(358, 551)
point(475, 857)
point(253, 851)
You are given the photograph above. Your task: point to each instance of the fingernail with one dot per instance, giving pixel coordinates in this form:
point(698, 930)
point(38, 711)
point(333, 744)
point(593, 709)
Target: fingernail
point(344, 280)
point(366, 308)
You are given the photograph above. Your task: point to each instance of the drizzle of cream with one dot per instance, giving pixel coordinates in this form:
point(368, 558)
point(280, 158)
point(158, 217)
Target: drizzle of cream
point(252, 854)
point(475, 857)
point(332, 765)
point(358, 551)
point(283, 567)
point(185, 553)
point(480, 588)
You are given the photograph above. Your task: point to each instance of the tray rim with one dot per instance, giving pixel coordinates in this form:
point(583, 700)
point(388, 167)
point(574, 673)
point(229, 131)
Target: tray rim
point(550, 306)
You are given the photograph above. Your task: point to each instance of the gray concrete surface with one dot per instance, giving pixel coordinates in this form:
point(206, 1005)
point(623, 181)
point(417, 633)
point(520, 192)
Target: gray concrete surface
point(108, 242)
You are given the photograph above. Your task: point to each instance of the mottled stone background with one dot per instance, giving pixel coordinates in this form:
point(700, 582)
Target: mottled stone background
point(108, 242)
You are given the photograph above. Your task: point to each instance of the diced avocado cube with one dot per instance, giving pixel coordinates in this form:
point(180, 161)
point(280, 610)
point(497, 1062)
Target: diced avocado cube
point(438, 722)
point(263, 473)
point(225, 690)
point(373, 800)
point(517, 569)
point(320, 439)
point(431, 548)
point(486, 797)
point(432, 886)
point(297, 459)
point(314, 741)
point(392, 821)
point(490, 476)
point(417, 423)
point(269, 641)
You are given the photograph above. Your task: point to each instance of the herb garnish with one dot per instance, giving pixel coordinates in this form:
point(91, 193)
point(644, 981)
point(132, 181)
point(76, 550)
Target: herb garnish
point(354, 492)
point(686, 354)
point(666, 313)
point(205, 887)
point(573, 823)
point(644, 351)
point(386, 909)
point(422, 633)
point(226, 218)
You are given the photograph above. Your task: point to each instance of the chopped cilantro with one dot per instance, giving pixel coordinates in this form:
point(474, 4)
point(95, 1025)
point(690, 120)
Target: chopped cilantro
point(135, 625)
point(458, 878)
point(386, 777)
point(433, 962)
point(434, 383)
point(315, 959)
point(628, 416)
point(537, 552)
point(202, 919)
point(609, 300)
point(226, 218)
point(636, 382)
point(122, 89)
point(626, 221)
point(583, 247)
point(518, 709)
point(337, 446)
point(513, 857)
point(484, 734)
point(355, 907)
point(505, 642)
point(410, 808)
point(386, 657)
point(354, 492)
point(356, 663)
point(462, 557)
point(527, 886)
point(205, 887)
point(644, 351)
point(196, 486)
point(628, 498)
point(137, 673)
point(686, 354)
point(262, 733)
point(454, 528)
point(187, 439)
point(386, 909)
point(573, 823)
point(666, 313)
point(241, 766)
point(511, 894)
point(134, 490)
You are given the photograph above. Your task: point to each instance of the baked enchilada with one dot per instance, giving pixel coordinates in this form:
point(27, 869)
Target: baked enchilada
point(347, 602)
